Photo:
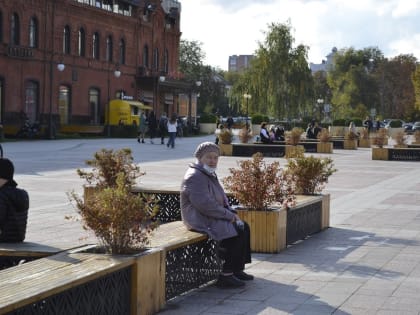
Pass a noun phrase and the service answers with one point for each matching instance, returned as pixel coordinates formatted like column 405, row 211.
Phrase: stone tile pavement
column 367, row 262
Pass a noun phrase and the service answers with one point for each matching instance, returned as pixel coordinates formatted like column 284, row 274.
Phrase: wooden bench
column 12, row 254
column 178, row 261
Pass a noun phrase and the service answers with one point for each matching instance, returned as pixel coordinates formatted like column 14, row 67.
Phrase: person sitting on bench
column 264, row 135
column 14, row 205
column 205, row 209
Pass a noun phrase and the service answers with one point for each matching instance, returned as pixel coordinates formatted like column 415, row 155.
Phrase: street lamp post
column 320, row 101
column 117, row 74
column 247, row 97
column 60, row 67
column 197, row 84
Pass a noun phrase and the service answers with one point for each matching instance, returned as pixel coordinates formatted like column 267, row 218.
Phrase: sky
column 235, row 27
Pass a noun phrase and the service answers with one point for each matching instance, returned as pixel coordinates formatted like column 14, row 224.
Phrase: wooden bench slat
column 174, row 235
column 52, row 275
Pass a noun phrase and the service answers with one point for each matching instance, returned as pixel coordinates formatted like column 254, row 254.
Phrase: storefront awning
column 140, row 105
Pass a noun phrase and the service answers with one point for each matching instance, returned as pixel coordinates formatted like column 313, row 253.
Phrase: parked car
column 415, row 127
column 395, row 123
column 408, row 127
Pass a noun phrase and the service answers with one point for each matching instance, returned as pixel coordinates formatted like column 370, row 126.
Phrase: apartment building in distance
column 326, row 64
column 238, row 63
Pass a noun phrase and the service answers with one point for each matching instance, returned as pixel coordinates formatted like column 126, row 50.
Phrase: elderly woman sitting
column 205, row 209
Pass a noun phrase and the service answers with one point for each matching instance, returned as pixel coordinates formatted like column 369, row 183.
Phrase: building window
column 66, row 40
column 1, row 26
column 31, row 100
column 33, row 32
column 122, row 52
column 14, row 30
column 64, row 104
column 82, row 43
column 146, row 56
column 95, row 46
column 156, row 59
column 166, row 61
column 94, row 105
column 109, row 48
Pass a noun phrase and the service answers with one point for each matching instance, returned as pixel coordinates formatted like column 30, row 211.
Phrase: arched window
column 156, row 59
column 95, row 46
column 122, row 52
column 82, row 43
column 109, row 48
column 33, row 32
column 1, row 26
column 166, row 61
column 146, row 56
column 64, row 104
column 94, row 105
column 15, row 30
column 31, row 100
column 66, row 40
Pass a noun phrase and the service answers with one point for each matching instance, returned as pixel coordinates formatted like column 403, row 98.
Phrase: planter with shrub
column 350, row 141
column 225, row 141
column 364, row 141
column 263, row 193
column 400, row 139
column 293, row 138
column 122, row 221
column 324, row 145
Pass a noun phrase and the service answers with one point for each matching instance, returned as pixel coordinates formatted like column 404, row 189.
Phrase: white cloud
column 234, row 27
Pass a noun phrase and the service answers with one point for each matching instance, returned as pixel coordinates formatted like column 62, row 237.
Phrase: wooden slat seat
column 174, row 235
column 34, row 281
column 38, row 280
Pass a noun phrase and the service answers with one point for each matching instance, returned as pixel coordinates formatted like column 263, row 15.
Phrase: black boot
column 228, row 282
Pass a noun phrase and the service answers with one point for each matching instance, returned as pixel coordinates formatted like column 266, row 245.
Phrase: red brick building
column 61, row 61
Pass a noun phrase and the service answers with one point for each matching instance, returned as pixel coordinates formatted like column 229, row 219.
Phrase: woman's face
column 210, row 159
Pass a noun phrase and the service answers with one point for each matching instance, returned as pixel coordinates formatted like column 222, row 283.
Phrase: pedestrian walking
column 142, row 127
column 172, row 128
column 152, row 125
column 163, row 120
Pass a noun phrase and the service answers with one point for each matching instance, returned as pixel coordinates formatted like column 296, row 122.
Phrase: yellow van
column 125, row 112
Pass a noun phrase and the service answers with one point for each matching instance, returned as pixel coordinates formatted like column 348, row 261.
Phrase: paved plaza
column 367, row 262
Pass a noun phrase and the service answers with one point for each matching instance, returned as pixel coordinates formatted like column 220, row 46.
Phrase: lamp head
column 61, row 67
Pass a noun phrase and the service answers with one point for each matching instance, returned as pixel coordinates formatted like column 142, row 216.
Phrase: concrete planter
column 392, row 132
column 337, row 130
column 208, row 128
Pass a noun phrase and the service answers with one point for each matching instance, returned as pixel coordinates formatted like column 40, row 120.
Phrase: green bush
column 258, row 119
column 207, row 118
column 340, row 122
column 395, row 124
column 358, row 122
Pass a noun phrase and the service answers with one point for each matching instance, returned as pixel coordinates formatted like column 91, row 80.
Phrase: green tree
column 352, row 81
column 279, row 79
column 212, row 88
column 191, row 57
